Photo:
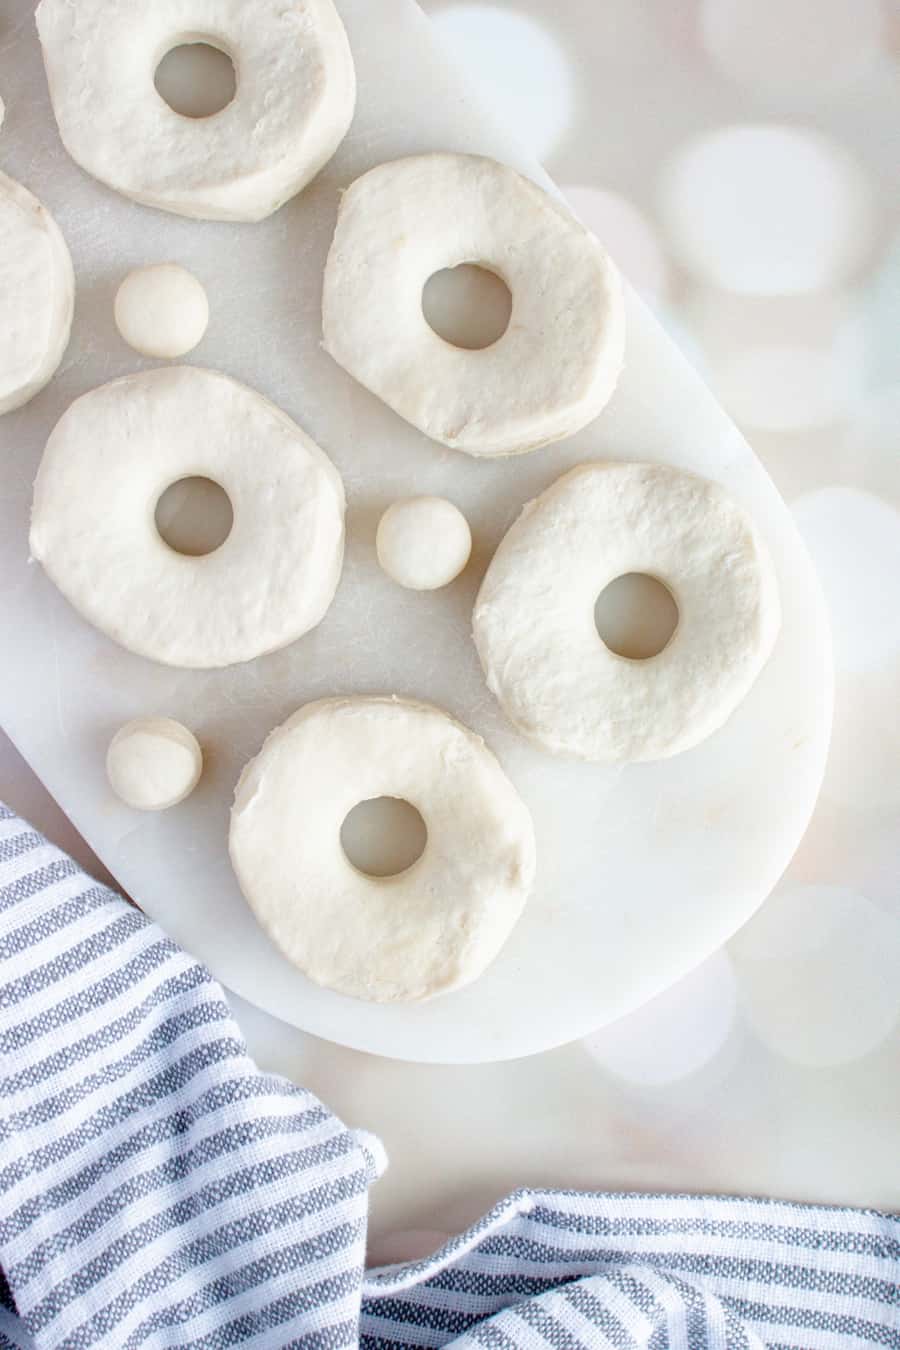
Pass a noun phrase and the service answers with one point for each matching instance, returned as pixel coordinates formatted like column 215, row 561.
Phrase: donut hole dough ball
column 534, row 619
column 110, row 460
column 433, row 927
column 37, row 295
column 293, row 103
column 556, row 365
column 153, row 763
column 162, row 310
column 423, row 543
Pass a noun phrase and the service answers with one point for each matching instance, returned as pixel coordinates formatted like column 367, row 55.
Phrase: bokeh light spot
column 767, row 210
column 863, row 769
column 782, row 388
column 854, row 540
column 817, row 971
column 626, row 234
column 793, row 47
column 786, row 363
column 676, row 1033
column 517, row 62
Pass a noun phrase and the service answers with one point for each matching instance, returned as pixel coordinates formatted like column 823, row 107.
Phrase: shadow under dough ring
column 423, row 932
column 534, row 625
column 558, row 362
column 294, row 99
column 107, row 463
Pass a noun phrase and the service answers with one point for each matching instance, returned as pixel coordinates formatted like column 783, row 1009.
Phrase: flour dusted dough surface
column 37, row 295
column 426, row 931
column 107, row 463
column 534, row 615
column 558, row 362
column 153, row 763
column 294, row 102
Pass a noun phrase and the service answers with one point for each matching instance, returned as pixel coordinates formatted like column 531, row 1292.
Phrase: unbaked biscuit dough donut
column 558, row 362
column 153, row 763
column 294, row 99
column 534, row 616
column 429, row 929
column 107, row 463
column 37, row 295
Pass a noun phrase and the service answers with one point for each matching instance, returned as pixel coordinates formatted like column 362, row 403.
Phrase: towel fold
column 158, row 1190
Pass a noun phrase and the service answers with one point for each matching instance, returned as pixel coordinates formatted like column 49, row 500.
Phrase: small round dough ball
column 153, row 763
column 423, row 542
column 162, row 310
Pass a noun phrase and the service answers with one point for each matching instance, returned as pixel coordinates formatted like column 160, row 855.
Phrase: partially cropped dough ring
column 108, row 461
column 37, row 295
column 294, row 101
column 534, row 616
column 429, row 929
column 556, row 365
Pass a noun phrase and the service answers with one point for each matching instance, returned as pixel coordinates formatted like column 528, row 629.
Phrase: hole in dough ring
column 430, row 929
column 557, row 364
column 534, row 616
column 38, row 288
column 107, row 463
column 294, row 102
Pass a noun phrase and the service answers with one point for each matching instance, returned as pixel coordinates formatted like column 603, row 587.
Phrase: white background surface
column 774, row 1069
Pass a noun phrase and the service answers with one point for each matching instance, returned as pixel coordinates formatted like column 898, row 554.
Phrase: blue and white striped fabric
column 157, row 1190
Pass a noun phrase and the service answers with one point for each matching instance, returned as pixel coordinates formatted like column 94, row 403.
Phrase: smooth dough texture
column 294, row 102
column 423, row 543
column 557, row 364
column 107, row 463
column 162, row 310
column 153, row 763
column 37, row 295
column 534, row 617
column 428, row 930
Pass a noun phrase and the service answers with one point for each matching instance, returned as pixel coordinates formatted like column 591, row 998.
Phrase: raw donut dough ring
column 534, row 616
column 557, row 364
column 429, row 929
column 108, row 461
column 294, row 101
column 153, row 763
column 37, row 295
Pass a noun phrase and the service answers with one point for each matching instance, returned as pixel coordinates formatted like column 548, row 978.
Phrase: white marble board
column 642, row 871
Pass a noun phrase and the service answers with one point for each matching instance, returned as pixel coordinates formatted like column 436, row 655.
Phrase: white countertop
column 775, row 1069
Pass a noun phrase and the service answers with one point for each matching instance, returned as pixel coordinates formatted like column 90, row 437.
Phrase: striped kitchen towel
column 157, row 1190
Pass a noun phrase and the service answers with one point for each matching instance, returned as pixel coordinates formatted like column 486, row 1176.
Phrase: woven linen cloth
column 157, row 1189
